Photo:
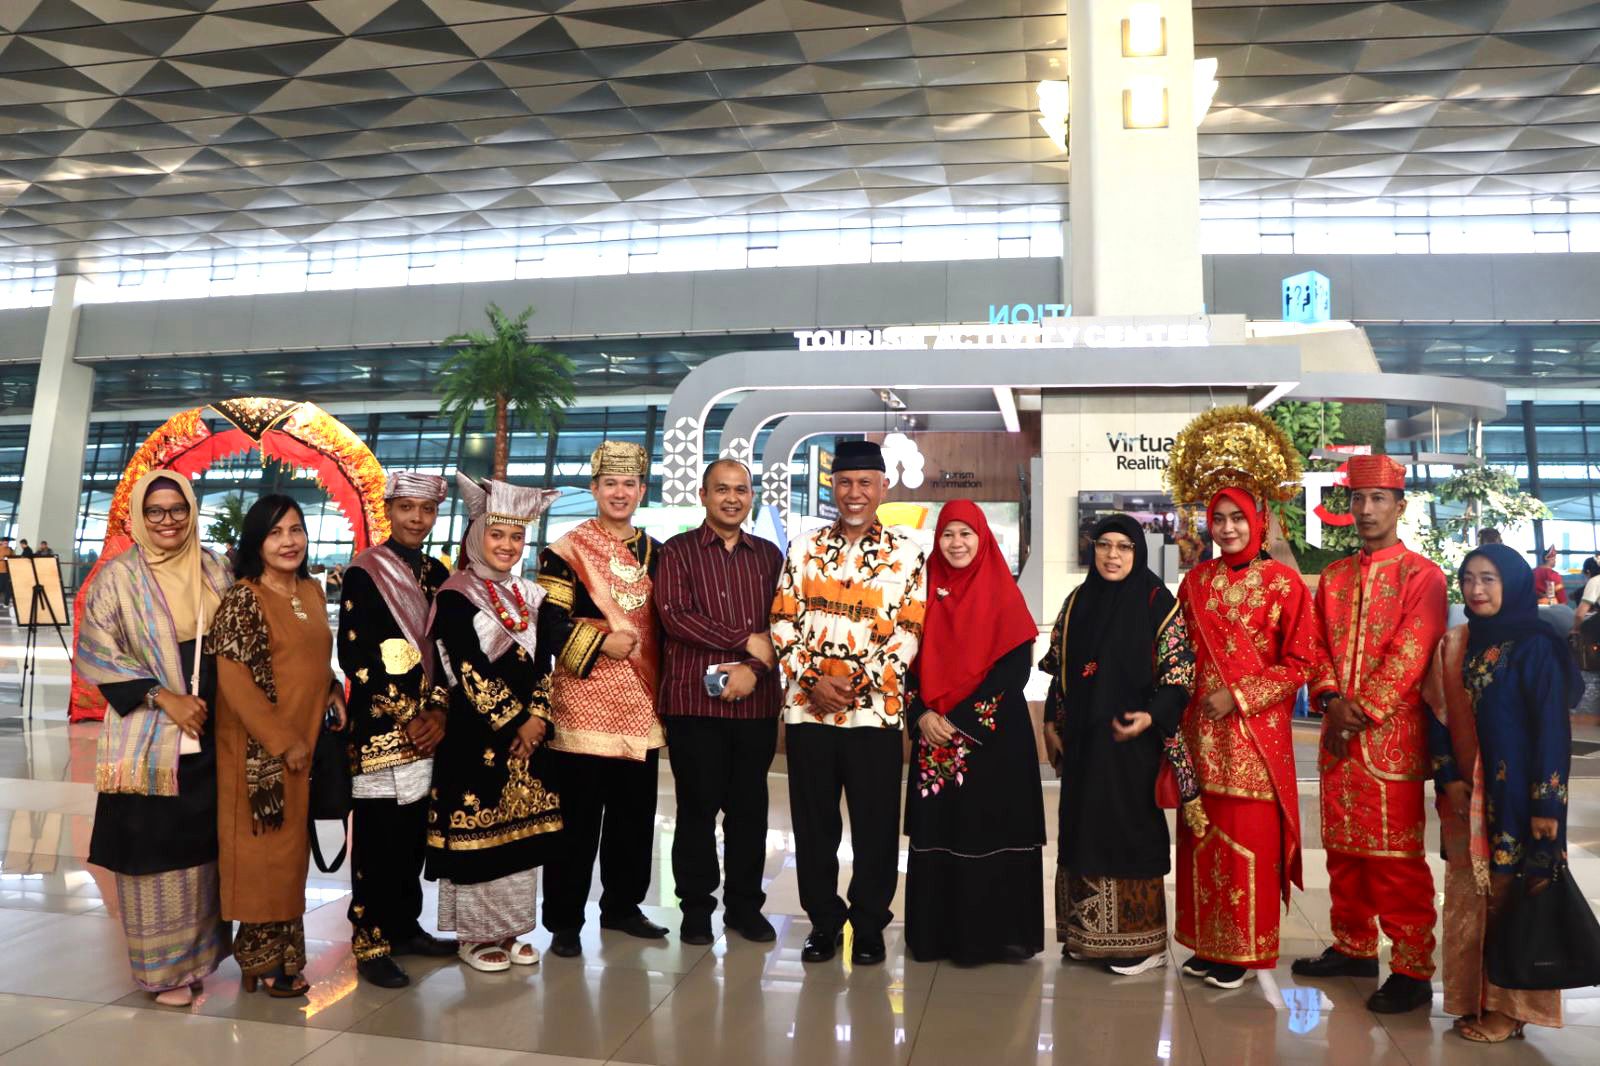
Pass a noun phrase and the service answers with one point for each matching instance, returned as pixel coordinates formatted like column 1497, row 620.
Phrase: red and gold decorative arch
column 299, row 434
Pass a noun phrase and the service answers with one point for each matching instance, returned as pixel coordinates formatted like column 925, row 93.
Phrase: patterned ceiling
column 171, row 129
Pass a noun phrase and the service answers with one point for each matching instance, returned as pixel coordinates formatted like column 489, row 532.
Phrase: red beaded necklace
column 524, row 617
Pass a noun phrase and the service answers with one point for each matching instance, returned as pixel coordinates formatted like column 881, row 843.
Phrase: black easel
column 40, row 607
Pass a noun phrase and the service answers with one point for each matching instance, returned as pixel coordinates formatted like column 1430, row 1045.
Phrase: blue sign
column 1307, row 298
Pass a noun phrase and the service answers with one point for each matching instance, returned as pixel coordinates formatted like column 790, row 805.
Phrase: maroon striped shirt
column 710, row 600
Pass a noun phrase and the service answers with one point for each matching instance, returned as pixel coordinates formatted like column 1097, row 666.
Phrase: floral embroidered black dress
column 975, row 818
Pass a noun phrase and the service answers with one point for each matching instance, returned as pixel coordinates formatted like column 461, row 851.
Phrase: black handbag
column 1545, row 942
column 330, row 791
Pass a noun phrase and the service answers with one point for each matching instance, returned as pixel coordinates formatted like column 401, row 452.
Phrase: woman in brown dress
column 274, row 684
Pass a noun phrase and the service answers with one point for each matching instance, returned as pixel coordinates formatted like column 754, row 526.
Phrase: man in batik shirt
column 598, row 618
column 397, row 719
column 846, row 624
column 1383, row 611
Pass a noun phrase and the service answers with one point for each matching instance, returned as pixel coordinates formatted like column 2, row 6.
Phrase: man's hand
column 425, row 731
column 1130, row 724
column 741, row 682
column 298, row 758
column 760, row 647
column 188, row 713
column 1544, row 828
column 831, row 694
column 530, row 735
column 1053, row 748
column 936, row 729
column 619, row 645
column 1220, row 704
column 1459, row 795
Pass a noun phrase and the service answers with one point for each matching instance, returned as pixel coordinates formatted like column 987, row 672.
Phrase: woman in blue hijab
column 1501, row 741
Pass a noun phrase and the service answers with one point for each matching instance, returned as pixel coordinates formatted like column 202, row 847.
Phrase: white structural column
column 1135, row 159
column 52, row 477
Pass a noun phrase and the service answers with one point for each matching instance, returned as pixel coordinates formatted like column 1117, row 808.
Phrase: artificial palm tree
column 504, row 370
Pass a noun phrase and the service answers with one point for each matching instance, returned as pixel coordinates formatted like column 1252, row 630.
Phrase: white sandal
column 473, row 956
column 522, row 954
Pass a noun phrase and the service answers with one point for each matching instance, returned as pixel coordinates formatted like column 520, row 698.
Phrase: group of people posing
column 500, row 724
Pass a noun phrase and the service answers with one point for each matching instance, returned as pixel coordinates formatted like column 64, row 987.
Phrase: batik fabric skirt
column 173, row 924
column 492, row 911
column 268, row 948
column 1111, row 917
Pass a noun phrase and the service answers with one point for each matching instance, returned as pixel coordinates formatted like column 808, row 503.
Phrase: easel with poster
column 38, row 601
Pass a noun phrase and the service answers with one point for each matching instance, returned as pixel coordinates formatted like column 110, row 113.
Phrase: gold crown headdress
column 1236, row 446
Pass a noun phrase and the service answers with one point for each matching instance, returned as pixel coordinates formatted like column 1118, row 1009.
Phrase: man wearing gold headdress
column 599, row 618
column 1253, row 625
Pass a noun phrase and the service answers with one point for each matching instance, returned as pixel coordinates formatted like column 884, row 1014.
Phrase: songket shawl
column 239, row 632
column 127, row 634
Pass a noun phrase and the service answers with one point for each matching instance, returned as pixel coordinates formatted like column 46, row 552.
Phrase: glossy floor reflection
column 65, row 997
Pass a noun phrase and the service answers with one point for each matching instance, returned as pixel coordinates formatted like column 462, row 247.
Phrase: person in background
column 1488, row 535
column 45, row 551
column 6, row 552
column 598, row 619
column 494, row 819
column 155, row 820
column 1548, row 582
column 24, row 550
column 275, row 683
column 974, row 802
column 1382, row 613
column 1589, row 599
column 714, row 588
column 397, row 708
column 1501, row 741
column 1122, row 671
column 846, row 624
column 1254, row 631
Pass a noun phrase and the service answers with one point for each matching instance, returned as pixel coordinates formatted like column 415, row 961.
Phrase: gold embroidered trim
column 560, row 593
column 489, row 696
column 582, row 648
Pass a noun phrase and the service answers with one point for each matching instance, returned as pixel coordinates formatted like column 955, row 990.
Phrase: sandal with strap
column 522, row 954
column 476, row 956
column 278, row 985
column 1472, row 1032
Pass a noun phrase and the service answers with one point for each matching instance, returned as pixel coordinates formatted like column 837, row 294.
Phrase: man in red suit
column 1383, row 611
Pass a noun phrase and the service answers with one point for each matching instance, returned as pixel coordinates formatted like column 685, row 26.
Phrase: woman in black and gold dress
column 491, row 818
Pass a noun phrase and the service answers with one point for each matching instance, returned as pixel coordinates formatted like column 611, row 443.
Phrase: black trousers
column 864, row 765
column 719, row 765
column 387, row 844
column 608, row 807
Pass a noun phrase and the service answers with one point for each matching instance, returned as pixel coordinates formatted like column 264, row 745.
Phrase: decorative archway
column 299, row 434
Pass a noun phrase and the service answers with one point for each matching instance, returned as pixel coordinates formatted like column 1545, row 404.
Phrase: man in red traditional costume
column 1383, row 612
column 1253, row 627
column 598, row 617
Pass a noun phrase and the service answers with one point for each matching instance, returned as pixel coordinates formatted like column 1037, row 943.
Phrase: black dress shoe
column 696, row 929
column 821, row 945
column 753, row 927
column 382, row 971
column 566, row 944
column 426, row 945
column 868, row 949
column 635, row 924
column 1400, row 994
column 1335, row 963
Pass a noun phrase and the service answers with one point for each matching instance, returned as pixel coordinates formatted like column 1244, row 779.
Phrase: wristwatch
column 151, row 697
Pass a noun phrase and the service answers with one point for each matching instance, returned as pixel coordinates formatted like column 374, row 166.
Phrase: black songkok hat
column 858, row 455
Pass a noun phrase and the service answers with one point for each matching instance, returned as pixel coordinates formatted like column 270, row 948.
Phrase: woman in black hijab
column 1122, row 671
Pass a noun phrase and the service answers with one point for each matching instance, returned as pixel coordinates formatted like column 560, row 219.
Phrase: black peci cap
column 858, row 455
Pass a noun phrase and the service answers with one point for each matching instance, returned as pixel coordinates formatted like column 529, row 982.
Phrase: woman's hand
column 619, row 645
column 1220, row 704
column 341, row 716
column 1459, row 795
column 1544, row 828
column 530, row 735
column 1053, row 748
column 936, row 729
column 188, row 713
column 1130, row 724
column 298, row 758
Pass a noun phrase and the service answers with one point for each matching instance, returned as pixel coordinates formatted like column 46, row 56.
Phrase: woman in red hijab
column 1253, row 626
column 974, row 804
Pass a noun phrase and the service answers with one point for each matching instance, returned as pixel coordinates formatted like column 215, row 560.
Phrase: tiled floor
column 65, row 996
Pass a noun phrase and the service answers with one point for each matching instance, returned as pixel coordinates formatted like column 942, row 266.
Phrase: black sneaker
column 1224, row 976
column 1400, row 994
column 1334, row 963
column 1195, row 966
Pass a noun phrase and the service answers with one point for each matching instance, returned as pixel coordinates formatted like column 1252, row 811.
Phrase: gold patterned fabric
column 262, row 948
column 1110, row 917
column 239, row 633
column 621, row 458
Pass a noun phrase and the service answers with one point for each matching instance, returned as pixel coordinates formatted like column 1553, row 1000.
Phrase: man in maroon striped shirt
column 714, row 587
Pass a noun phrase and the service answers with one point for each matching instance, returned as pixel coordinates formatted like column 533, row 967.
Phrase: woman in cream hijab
column 155, row 823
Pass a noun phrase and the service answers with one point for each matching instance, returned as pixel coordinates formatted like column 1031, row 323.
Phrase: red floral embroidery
column 1090, row 667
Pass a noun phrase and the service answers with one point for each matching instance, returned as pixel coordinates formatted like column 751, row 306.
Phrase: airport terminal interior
column 1017, row 244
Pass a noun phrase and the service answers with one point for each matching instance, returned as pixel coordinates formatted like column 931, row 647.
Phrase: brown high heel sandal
column 275, row 990
column 1472, row 1033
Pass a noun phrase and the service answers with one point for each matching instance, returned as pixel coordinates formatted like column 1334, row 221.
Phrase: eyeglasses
column 1116, row 547
column 159, row 515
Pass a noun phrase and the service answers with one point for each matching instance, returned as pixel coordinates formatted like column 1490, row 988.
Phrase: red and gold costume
column 1383, row 613
column 1254, row 630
